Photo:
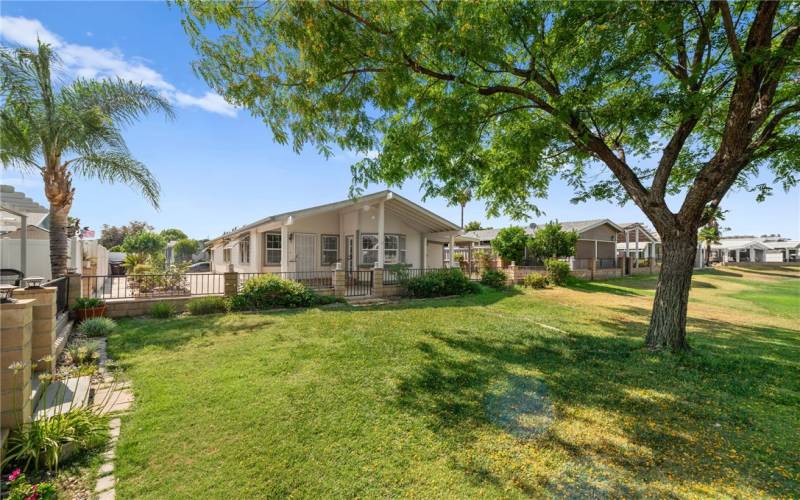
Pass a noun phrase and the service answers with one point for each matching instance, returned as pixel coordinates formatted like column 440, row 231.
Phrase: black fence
column 317, row 280
column 358, row 283
column 393, row 277
column 109, row 287
column 62, row 294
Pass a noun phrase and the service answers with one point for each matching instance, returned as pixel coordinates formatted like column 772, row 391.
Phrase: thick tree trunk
column 668, row 322
column 59, row 252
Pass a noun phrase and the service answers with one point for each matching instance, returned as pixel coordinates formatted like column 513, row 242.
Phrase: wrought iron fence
column 393, row 277
column 62, row 294
column 358, row 283
column 606, row 264
column 317, row 280
column 150, row 285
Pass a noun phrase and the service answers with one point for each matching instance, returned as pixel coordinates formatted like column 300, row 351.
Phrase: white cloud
column 91, row 62
column 210, row 102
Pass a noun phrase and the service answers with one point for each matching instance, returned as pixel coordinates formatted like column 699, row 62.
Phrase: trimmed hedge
column 269, row 292
column 439, row 283
column 535, row 280
column 557, row 271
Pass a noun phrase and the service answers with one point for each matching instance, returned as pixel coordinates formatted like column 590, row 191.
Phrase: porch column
column 752, row 254
column 284, row 248
column 452, row 250
column 627, row 245
column 424, row 252
column 381, row 240
column 23, row 247
column 637, row 247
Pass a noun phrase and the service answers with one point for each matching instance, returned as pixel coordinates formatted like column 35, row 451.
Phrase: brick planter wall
column 16, row 325
column 43, row 335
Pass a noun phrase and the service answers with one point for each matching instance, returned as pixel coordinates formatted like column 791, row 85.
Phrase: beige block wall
column 16, row 325
column 43, row 332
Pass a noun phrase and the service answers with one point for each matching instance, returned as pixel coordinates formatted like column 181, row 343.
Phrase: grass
column 399, row 400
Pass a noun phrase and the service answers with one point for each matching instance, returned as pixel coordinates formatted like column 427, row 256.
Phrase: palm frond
column 120, row 100
column 118, row 166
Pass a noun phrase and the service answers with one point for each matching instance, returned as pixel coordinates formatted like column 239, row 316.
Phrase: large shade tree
column 624, row 100
column 60, row 130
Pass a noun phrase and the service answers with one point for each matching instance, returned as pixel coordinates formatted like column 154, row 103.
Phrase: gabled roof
column 778, row 245
column 579, row 226
column 399, row 205
column 734, row 244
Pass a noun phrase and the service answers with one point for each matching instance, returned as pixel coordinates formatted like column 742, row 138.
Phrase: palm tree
column 711, row 233
column 462, row 198
column 70, row 129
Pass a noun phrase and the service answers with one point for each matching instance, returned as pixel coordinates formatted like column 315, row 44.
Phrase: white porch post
column 23, row 247
column 627, row 245
column 595, row 250
column 424, row 252
column 381, row 238
column 752, row 254
column 284, row 248
column 637, row 247
column 451, row 248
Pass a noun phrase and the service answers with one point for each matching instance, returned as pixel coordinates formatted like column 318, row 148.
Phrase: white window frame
column 394, row 248
column 272, row 250
column 331, row 260
column 244, row 250
column 226, row 255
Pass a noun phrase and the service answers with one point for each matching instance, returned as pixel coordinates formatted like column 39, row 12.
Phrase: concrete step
column 62, row 396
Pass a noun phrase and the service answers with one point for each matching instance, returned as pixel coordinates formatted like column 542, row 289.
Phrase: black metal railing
column 358, row 283
column 606, row 264
column 394, row 277
column 109, row 287
column 317, row 280
column 62, row 294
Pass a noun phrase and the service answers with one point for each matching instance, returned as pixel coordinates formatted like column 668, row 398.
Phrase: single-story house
column 597, row 239
column 782, row 250
column 739, row 250
column 374, row 230
column 636, row 240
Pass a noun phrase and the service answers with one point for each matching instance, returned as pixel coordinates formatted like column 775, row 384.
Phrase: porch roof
column 409, row 211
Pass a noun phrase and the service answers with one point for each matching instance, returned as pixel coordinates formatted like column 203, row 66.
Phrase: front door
column 305, row 252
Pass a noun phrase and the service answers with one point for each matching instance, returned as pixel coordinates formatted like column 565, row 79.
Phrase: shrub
column 40, row 443
column 438, row 283
column 510, row 243
column 268, row 291
column 97, row 327
column 494, row 279
column 162, row 310
column 87, row 303
column 83, row 353
column 207, row 305
column 557, row 271
column 535, row 280
column 20, row 489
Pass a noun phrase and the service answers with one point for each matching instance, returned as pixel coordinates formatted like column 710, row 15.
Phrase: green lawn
column 525, row 393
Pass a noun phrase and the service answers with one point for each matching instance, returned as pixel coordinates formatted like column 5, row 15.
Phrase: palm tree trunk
column 59, row 251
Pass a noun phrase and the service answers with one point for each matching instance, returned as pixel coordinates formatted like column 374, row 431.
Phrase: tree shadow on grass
column 667, row 406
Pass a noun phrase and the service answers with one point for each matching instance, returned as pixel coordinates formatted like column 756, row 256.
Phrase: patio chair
column 11, row 277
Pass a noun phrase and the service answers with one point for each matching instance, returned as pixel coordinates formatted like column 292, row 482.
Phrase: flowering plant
column 20, row 489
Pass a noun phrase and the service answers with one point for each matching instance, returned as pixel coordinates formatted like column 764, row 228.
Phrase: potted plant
column 89, row 307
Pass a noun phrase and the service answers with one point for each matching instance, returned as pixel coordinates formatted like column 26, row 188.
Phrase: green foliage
column 97, row 327
column 207, row 305
column 535, row 280
column 20, row 489
column 40, row 443
column 510, row 243
column 162, row 310
column 116, row 248
column 438, row 283
column 269, row 291
column 494, row 278
column 557, row 271
column 484, row 259
column 172, row 234
column 552, row 241
column 144, row 243
column 472, row 226
column 185, row 248
column 113, row 236
column 87, row 303
column 82, row 353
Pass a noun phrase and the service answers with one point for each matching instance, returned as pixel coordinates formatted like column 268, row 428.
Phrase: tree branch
column 730, row 32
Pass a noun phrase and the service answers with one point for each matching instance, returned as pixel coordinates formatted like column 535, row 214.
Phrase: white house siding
column 435, row 255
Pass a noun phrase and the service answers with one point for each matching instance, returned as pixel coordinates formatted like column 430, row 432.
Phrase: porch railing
column 358, row 283
column 317, row 280
column 62, row 294
column 393, row 277
column 109, row 287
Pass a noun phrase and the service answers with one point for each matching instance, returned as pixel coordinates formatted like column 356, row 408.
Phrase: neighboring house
column 24, row 237
column 375, row 230
column 782, row 250
column 739, row 250
column 636, row 240
column 597, row 239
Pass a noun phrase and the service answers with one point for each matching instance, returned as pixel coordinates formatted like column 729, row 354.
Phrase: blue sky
column 219, row 167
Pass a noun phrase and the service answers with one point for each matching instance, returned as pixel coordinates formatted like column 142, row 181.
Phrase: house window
column 330, row 249
column 272, row 248
column 244, row 250
column 394, row 248
column 226, row 254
